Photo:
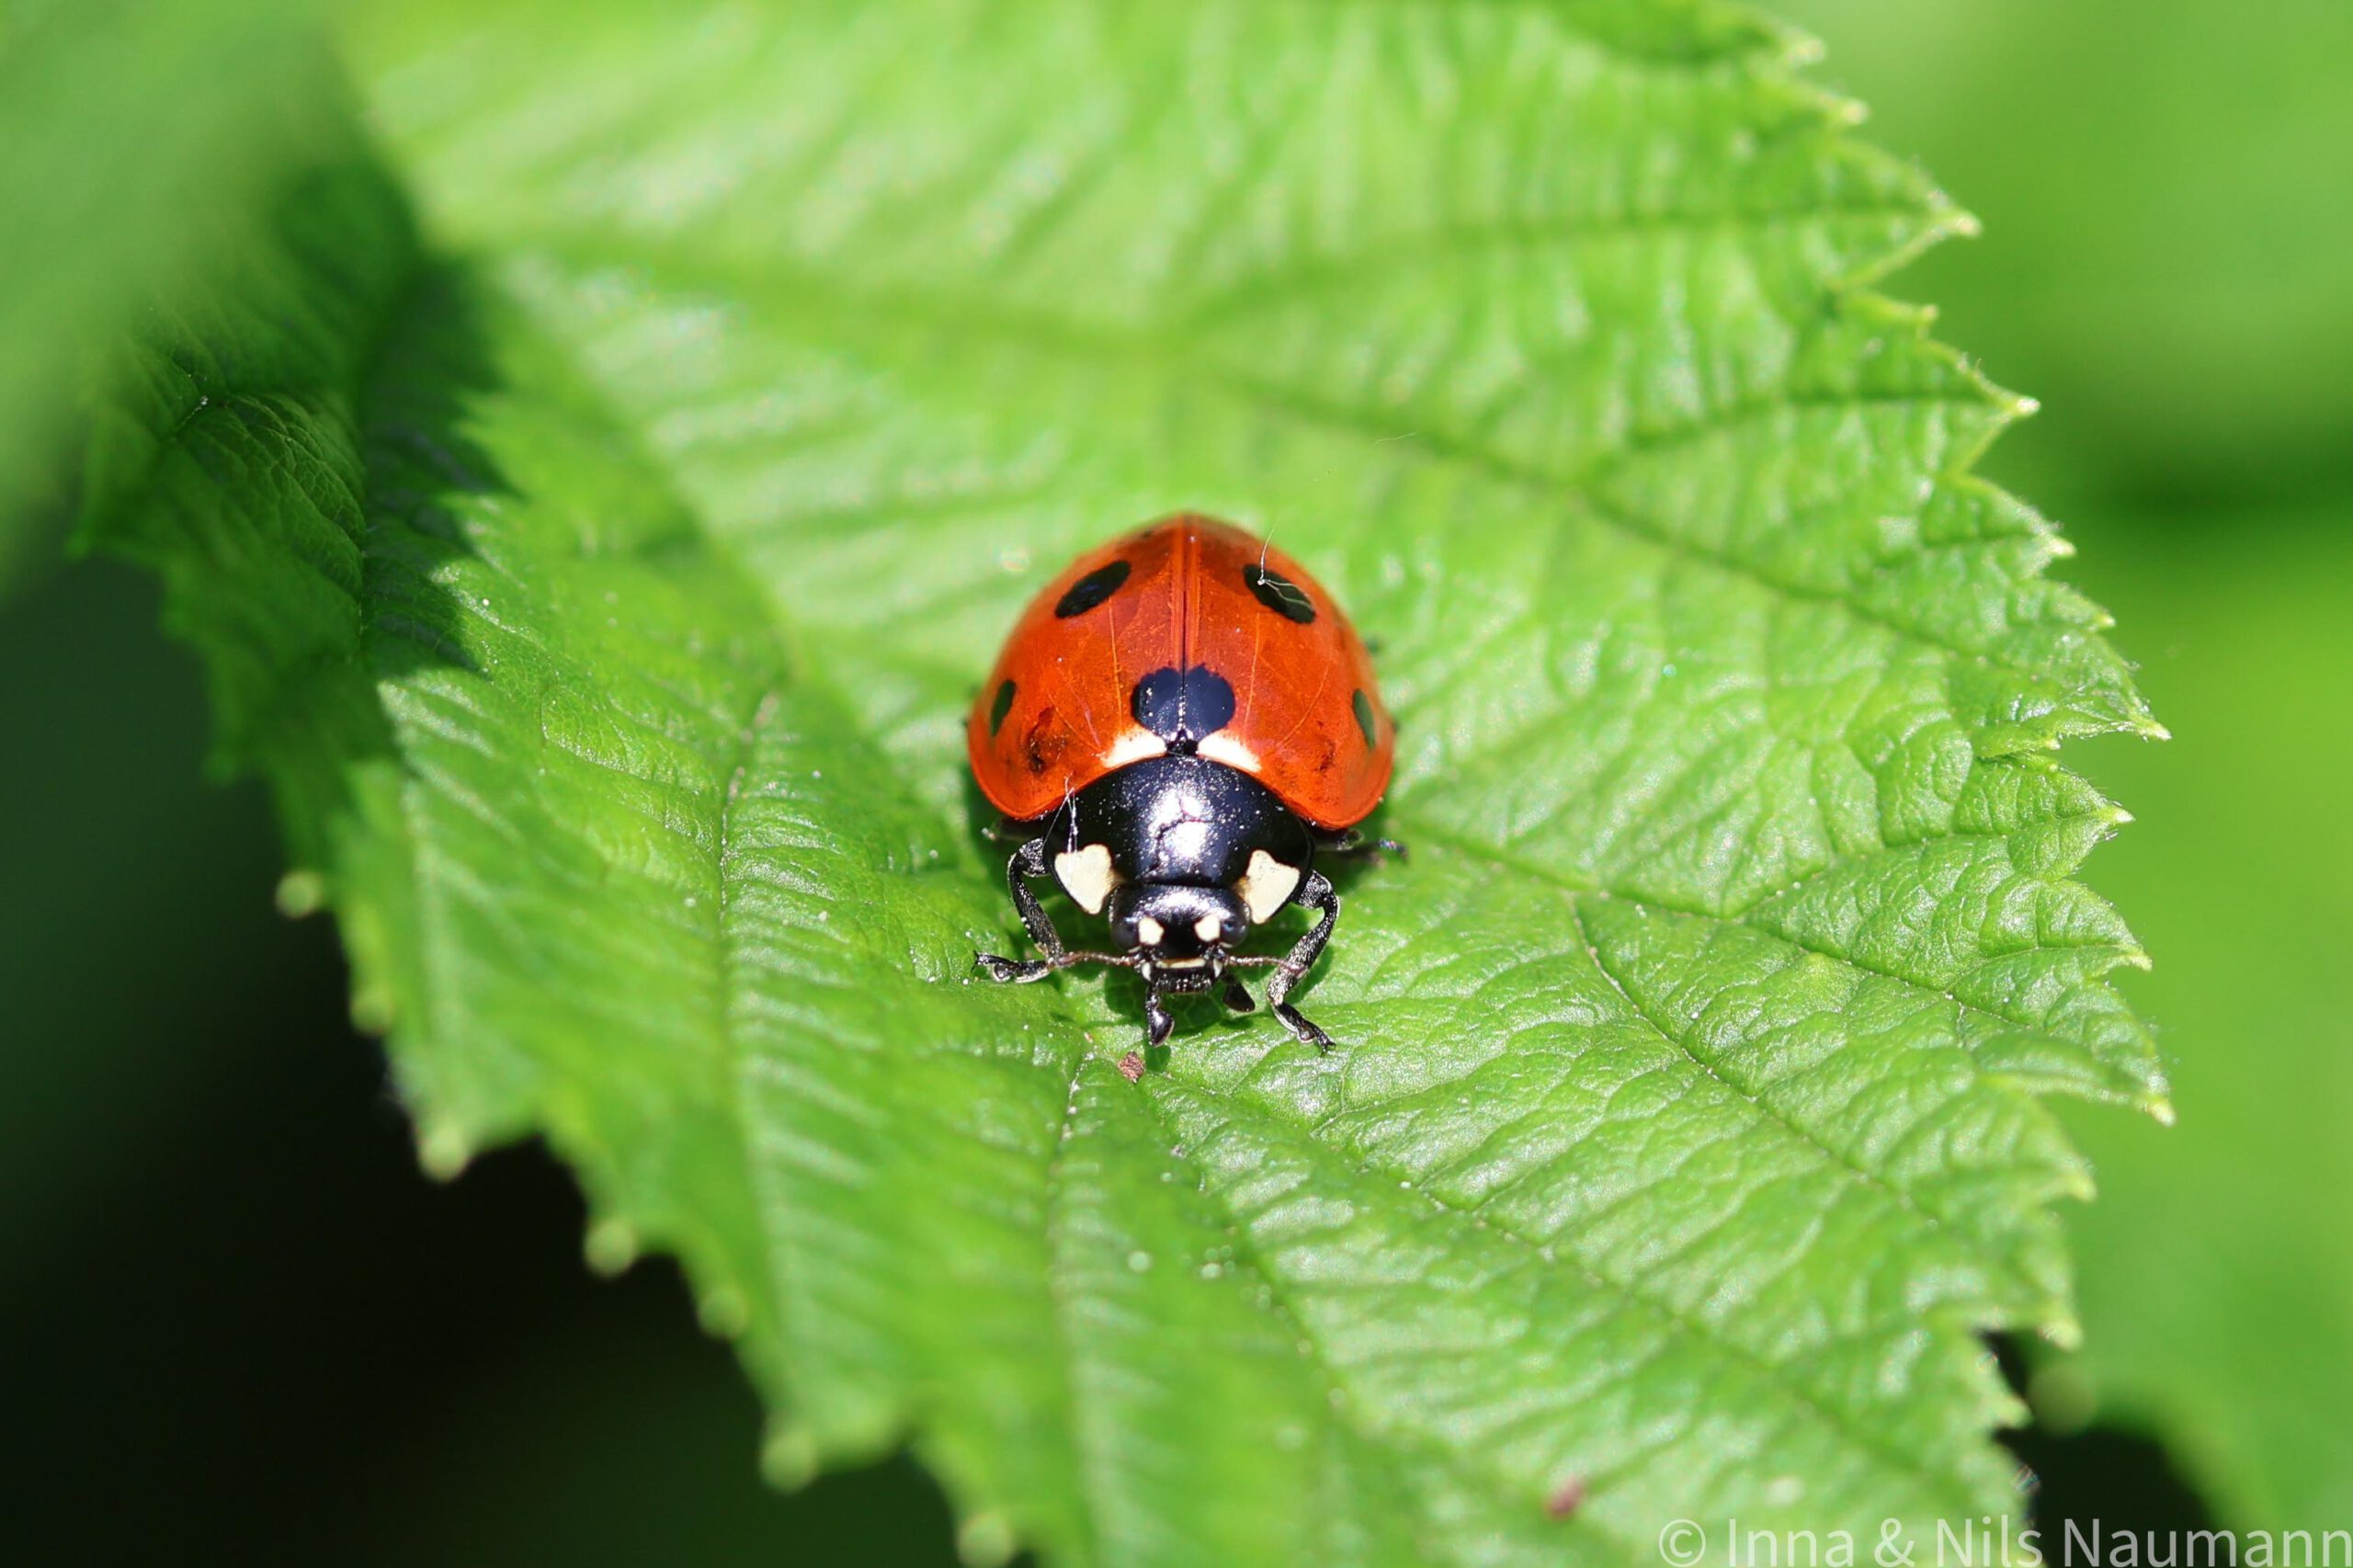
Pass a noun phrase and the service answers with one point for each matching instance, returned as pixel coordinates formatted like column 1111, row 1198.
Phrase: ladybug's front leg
column 1028, row 864
column 1157, row 1019
column 1315, row 893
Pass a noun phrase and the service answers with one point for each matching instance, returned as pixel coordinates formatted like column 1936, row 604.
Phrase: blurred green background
column 240, row 1326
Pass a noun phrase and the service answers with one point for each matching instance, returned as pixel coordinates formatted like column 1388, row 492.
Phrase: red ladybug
column 1178, row 724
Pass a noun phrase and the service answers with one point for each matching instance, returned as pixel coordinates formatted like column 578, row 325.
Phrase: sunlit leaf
column 602, row 583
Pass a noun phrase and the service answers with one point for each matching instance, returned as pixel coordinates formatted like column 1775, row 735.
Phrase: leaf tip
column 723, row 1312
column 2160, row 1110
column 1798, row 49
column 2064, row 1332
column 2004, row 1409
column 372, row 1009
column 985, row 1538
column 788, row 1459
column 442, row 1147
column 300, row 893
column 611, row 1245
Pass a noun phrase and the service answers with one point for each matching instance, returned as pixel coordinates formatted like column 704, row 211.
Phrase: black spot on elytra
column 1279, row 593
column 1000, row 708
column 1366, row 717
column 1091, row 590
column 1184, row 706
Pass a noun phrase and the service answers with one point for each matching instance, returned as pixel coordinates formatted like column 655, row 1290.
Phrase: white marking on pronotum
column 1265, row 886
column 1223, row 747
column 1149, row 931
column 1133, row 746
column 1086, row 875
column 1209, row 927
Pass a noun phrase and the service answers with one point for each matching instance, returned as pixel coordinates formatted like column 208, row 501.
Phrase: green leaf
column 132, row 151
column 602, row 585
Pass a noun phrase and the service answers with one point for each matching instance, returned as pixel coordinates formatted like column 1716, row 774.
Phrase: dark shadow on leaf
column 288, row 456
column 424, row 470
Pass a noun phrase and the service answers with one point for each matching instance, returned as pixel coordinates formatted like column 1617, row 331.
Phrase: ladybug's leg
column 1028, row 865
column 1157, row 1019
column 1315, row 893
column 1028, row 862
column 1237, row 996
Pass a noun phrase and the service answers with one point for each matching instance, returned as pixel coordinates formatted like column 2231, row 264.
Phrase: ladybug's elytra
column 1179, row 723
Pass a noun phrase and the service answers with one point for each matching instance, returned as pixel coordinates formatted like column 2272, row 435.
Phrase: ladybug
column 1179, row 723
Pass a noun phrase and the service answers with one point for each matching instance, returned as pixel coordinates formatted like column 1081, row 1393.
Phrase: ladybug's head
column 1179, row 932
